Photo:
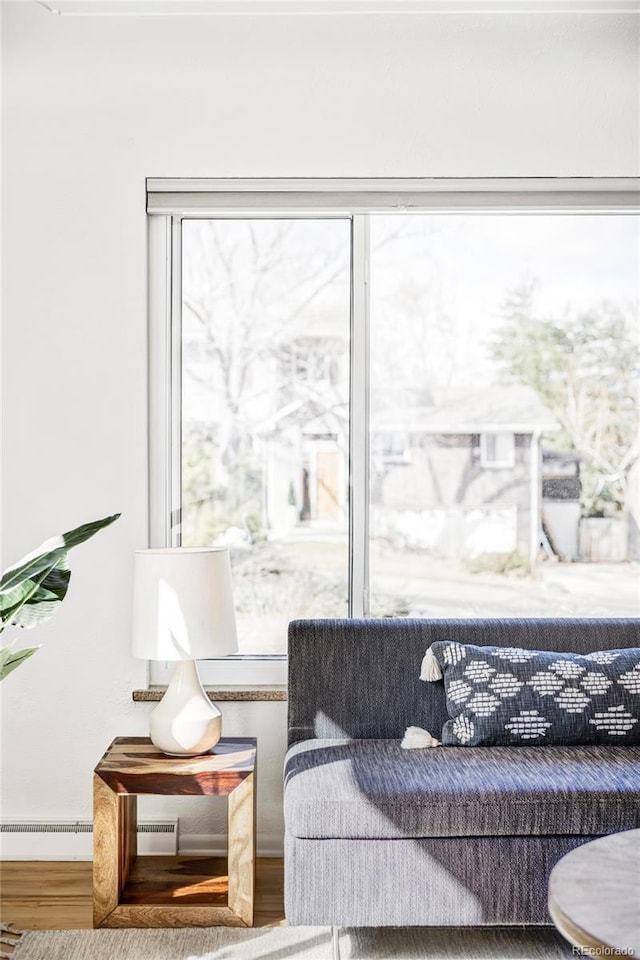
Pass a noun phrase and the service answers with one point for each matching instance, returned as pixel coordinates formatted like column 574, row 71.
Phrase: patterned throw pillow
column 512, row 696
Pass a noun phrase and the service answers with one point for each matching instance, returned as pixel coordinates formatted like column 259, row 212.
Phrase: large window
column 409, row 402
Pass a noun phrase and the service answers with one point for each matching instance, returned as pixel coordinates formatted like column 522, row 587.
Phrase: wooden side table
column 132, row 891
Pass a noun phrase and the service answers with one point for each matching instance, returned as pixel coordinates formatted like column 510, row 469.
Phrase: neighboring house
column 293, row 418
column 458, row 477
column 462, row 476
column 307, row 456
column 308, row 445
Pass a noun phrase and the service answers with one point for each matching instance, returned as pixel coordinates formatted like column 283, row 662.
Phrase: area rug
column 295, row 943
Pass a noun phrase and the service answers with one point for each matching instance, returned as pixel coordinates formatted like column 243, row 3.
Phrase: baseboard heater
column 73, row 840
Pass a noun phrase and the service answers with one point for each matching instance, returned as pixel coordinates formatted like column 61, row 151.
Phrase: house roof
column 512, row 409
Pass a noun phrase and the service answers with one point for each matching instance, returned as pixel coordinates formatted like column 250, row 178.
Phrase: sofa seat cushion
column 374, row 789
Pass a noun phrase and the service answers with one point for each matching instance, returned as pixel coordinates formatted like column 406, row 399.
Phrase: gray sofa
column 378, row 836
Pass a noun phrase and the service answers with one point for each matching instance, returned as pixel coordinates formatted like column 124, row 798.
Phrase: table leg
column 114, row 847
column 242, row 846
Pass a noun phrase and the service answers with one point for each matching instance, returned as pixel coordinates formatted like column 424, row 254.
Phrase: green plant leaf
column 50, row 554
column 50, row 588
column 32, row 588
column 10, row 659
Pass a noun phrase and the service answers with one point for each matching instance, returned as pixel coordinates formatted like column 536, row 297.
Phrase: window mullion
column 359, row 427
column 175, row 374
column 159, row 378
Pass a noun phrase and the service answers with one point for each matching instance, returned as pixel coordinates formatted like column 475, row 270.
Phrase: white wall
column 93, row 106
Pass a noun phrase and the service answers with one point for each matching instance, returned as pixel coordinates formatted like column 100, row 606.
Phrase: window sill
column 273, row 693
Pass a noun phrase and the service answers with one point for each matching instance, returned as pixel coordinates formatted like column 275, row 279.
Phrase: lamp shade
column 183, row 604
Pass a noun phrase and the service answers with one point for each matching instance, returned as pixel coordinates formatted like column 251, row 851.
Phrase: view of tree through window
column 265, row 413
column 504, row 439
column 505, row 416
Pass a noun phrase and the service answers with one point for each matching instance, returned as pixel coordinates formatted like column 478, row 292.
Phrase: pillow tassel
column 430, row 669
column 416, row 738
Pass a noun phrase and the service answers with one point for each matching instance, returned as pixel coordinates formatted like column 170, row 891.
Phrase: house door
column 327, row 474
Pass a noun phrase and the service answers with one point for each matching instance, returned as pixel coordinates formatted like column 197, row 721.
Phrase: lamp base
column 185, row 723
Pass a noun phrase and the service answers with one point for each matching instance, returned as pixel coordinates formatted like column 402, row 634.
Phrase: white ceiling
column 106, row 8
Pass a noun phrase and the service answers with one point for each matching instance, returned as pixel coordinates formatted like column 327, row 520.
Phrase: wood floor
column 46, row 895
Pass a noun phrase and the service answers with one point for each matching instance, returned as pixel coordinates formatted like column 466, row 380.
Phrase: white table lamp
column 183, row 611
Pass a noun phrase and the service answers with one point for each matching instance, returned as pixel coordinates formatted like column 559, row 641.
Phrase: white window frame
column 171, row 200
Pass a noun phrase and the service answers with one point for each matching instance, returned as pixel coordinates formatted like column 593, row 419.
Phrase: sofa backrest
column 360, row 678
